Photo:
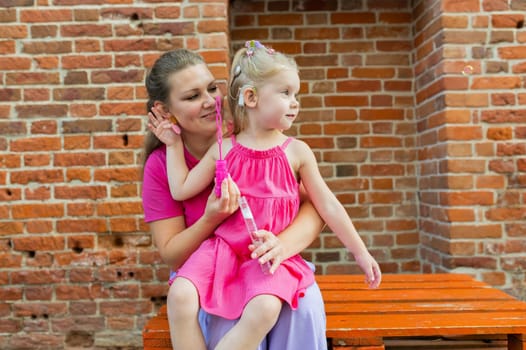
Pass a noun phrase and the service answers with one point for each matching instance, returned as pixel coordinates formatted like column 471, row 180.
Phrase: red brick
column 467, row 198
column 312, row 33
column 511, row 52
column 502, row 166
column 38, row 176
column 38, row 243
column 380, row 142
column 507, row 20
column 491, row 181
column 459, row 133
column 39, row 226
column 496, row 83
column 79, row 159
column 81, row 225
column 44, row 127
column 40, row 193
column 123, row 225
column 506, row 214
column 503, row 99
column 119, row 208
column 476, row 231
column 381, row 114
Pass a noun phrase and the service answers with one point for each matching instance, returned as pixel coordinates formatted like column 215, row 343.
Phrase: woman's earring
column 175, row 127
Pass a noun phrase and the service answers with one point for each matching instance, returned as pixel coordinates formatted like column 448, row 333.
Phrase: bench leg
column 516, row 341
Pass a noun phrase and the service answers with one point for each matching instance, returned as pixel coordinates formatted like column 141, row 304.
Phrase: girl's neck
column 260, row 139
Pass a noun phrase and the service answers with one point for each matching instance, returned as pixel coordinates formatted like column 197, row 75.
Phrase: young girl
column 267, row 167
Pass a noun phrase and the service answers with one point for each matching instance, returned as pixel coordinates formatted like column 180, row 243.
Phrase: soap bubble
column 468, row 70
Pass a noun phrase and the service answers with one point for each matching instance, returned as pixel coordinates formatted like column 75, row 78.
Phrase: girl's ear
column 250, row 96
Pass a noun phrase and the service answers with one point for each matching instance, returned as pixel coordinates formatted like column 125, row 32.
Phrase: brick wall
column 412, row 108
column 357, row 113
column 470, row 110
column 77, row 266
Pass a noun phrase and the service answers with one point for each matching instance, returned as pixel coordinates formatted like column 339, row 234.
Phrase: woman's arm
column 303, row 230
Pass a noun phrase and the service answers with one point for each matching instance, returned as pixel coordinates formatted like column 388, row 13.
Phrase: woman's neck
column 197, row 145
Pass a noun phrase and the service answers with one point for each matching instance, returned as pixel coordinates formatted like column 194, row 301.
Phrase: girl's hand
column 373, row 275
column 270, row 250
column 162, row 127
column 218, row 209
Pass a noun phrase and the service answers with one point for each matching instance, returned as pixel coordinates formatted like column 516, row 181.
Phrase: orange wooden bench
column 406, row 305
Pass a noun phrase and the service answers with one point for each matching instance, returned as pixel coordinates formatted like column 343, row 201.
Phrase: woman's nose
column 209, row 100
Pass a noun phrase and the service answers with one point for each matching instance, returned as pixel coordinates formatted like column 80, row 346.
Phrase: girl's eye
column 192, row 97
column 286, row 92
column 212, row 89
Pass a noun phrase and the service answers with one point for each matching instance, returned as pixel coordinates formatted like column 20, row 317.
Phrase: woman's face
column 192, row 99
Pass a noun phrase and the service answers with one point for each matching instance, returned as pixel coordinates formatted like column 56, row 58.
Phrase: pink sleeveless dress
column 221, row 268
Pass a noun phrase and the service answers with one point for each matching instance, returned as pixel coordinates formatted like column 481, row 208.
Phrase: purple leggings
column 300, row 329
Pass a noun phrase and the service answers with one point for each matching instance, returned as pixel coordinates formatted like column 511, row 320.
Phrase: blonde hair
column 253, row 65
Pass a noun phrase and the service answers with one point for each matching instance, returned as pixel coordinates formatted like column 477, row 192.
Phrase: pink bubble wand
column 221, row 171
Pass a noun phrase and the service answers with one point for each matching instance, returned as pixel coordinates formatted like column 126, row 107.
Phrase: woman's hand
column 162, row 127
column 270, row 250
column 218, row 209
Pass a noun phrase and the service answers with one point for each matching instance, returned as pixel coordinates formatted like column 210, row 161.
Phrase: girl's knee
column 182, row 297
column 265, row 309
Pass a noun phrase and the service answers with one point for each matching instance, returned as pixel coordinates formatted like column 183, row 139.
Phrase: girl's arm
column 176, row 242
column 185, row 184
column 333, row 212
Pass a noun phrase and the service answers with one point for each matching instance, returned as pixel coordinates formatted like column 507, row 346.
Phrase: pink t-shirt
column 157, row 201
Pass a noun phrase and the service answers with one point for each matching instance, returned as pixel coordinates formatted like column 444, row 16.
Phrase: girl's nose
column 295, row 103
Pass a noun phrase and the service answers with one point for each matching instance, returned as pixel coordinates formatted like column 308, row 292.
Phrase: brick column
column 469, row 57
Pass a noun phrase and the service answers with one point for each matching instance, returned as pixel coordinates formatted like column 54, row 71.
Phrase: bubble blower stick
column 221, row 172
column 252, row 228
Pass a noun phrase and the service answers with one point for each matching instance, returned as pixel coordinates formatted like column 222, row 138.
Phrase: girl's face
column 277, row 105
column 192, row 99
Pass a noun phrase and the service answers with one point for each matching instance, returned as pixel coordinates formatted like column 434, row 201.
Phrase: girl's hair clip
column 252, row 45
column 241, row 97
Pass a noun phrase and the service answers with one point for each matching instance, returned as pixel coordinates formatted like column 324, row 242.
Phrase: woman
column 180, row 85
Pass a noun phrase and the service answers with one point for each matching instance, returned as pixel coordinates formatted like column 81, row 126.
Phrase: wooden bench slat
column 422, row 324
column 408, row 307
column 436, row 278
column 402, row 285
column 414, row 295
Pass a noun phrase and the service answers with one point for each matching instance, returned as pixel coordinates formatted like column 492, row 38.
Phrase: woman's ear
column 162, row 108
column 250, row 96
